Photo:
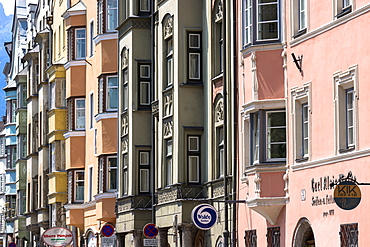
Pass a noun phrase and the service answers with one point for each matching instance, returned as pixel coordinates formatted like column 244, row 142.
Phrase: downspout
column 235, row 135
column 152, row 174
column 225, row 121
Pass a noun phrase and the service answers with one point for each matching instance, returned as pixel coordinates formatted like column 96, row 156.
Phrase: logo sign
column 150, row 230
column 347, row 195
column 150, row 242
column 12, row 244
column 204, row 216
column 107, row 230
column 57, row 236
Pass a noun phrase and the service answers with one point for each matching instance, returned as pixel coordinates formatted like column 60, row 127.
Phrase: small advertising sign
column 347, row 195
column 57, row 236
column 204, row 216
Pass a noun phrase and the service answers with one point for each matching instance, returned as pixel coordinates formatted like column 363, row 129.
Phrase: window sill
column 346, row 150
column 167, row 89
column 192, row 84
column 344, row 12
column 265, row 167
column 303, row 159
column 300, row 32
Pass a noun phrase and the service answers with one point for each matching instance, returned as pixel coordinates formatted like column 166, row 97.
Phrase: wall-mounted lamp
column 49, row 20
column 298, row 61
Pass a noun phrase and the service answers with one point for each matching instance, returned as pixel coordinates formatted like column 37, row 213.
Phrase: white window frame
column 100, row 16
column 108, row 94
column 258, row 22
column 193, row 158
column 75, row 187
column 77, row 50
column 247, row 17
column 91, row 38
column 302, row 14
column 267, row 143
column 194, row 51
column 109, row 170
column 125, row 90
column 169, row 62
column 91, row 115
column 125, row 183
column 111, row 29
column 144, row 171
column 342, row 82
column 169, row 161
column 301, row 97
column 76, row 110
column 90, row 183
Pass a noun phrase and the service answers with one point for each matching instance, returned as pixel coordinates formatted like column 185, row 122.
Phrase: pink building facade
column 304, row 93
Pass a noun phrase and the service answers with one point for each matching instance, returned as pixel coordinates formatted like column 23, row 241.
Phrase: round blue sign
column 150, row 230
column 204, row 216
column 107, row 230
column 12, row 244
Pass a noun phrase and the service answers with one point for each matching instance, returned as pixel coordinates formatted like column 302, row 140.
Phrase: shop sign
column 347, row 195
column 57, row 236
column 150, row 242
column 204, row 216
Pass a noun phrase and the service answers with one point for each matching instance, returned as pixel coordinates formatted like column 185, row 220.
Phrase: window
column 346, row 100
column 11, row 156
column 302, row 24
column 268, row 131
column 193, row 153
column 273, row 237
column 144, row 89
column 144, row 5
column 260, row 21
column 90, row 183
column 22, row 95
column 169, row 173
column 80, row 114
column 305, row 130
column 125, row 174
column 76, row 180
column 22, row 146
column 250, row 238
column 76, row 114
column 107, row 174
column 79, row 185
column 169, row 62
column 80, row 43
column 125, row 90
column 11, row 110
column 91, row 119
column 194, row 56
column 144, row 173
column 343, row 7
column 108, row 93
column 112, row 13
column 91, row 38
column 107, row 15
column 220, row 151
column 349, row 235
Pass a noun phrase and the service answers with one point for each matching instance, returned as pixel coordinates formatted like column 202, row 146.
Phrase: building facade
column 302, row 93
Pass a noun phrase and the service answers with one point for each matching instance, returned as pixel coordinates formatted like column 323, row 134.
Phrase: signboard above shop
column 57, row 236
column 347, row 195
column 204, row 216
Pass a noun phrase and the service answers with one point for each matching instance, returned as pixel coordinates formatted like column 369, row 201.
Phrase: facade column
column 163, row 237
column 188, row 234
column 138, row 238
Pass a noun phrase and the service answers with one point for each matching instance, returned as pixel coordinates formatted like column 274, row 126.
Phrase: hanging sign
column 347, row 195
column 204, row 216
column 57, row 236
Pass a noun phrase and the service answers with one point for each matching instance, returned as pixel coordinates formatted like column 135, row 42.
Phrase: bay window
column 193, row 153
column 76, row 181
column 77, row 43
column 268, row 132
column 76, row 114
column 194, row 56
column 107, row 16
column 261, row 21
column 108, row 93
column 107, row 173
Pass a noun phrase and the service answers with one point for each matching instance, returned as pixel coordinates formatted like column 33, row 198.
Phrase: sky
column 8, row 6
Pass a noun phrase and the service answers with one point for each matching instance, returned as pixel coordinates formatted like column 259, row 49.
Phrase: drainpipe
column 235, row 127
column 152, row 30
column 225, row 96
